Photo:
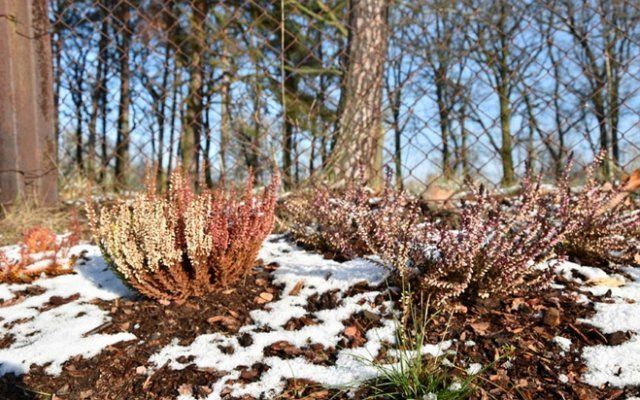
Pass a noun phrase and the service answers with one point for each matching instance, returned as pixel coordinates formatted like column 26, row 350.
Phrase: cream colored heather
column 199, row 242
column 157, row 238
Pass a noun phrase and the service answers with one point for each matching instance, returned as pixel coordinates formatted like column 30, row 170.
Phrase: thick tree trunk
column 27, row 135
column 360, row 134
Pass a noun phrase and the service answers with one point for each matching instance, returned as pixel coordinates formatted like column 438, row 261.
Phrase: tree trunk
column 397, row 136
column 508, row 174
column 225, row 101
column 123, row 138
column 96, row 96
column 192, row 126
column 443, row 117
column 291, row 88
column 173, row 119
column 27, row 134
column 161, row 115
column 360, row 134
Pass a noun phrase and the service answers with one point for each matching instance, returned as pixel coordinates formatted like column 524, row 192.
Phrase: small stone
column 141, row 370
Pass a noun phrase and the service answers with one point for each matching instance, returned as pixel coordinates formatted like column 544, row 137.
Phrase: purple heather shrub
column 355, row 221
column 496, row 248
column 603, row 227
column 326, row 220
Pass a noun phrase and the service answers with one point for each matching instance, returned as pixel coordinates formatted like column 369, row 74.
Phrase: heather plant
column 390, row 225
column 355, row 220
column 327, row 220
column 495, row 248
column 184, row 244
column 602, row 226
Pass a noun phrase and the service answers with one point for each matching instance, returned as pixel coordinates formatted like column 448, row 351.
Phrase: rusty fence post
column 27, row 141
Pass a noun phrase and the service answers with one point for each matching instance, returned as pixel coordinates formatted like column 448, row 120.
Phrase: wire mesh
column 486, row 90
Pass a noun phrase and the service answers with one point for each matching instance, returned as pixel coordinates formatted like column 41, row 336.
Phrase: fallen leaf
column 261, row 282
column 263, row 298
column 609, row 281
column 551, row 317
column 481, row 328
column 297, row 288
column 351, row 331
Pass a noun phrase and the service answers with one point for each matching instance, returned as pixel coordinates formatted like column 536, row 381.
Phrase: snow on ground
column 53, row 336
column 50, row 335
column 319, row 276
column 617, row 365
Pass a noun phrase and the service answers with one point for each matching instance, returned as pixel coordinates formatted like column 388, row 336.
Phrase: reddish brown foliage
column 41, row 252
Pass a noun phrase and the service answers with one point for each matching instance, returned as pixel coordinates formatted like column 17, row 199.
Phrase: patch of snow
column 617, row 365
column 474, row 368
column 55, row 335
column 564, row 343
column 614, row 317
column 563, row 378
column 319, row 276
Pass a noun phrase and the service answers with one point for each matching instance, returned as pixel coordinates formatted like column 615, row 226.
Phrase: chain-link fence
column 438, row 91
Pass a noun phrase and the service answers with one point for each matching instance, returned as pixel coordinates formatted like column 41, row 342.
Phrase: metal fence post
column 27, row 144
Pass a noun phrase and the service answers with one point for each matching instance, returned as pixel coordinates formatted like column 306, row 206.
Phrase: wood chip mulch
column 512, row 338
column 121, row 371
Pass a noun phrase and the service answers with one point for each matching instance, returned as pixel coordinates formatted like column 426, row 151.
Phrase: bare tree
column 443, row 42
column 192, row 126
column 497, row 27
column 603, row 33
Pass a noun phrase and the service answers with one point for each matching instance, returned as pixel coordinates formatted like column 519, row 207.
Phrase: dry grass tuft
column 28, row 212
